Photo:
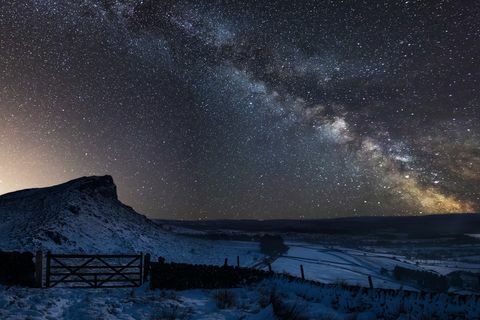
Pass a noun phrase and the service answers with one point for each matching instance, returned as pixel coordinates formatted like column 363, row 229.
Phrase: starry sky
column 246, row 109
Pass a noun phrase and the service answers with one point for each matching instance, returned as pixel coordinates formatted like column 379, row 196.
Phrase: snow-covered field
column 253, row 302
column 336, row 264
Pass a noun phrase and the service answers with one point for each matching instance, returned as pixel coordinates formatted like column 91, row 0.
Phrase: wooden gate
column 94, row 271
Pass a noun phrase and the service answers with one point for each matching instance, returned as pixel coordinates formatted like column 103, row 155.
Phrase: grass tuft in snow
column 283, row 310
column 225, row 299
column 172, row 312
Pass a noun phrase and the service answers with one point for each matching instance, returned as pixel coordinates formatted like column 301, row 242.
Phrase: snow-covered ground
column 252, row 302
column 336, row 264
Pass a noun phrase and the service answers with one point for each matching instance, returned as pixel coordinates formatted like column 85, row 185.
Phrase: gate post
column 146, row 266
column 38, row 268
column 47, row 278
column 370, row 283
column 140, row 270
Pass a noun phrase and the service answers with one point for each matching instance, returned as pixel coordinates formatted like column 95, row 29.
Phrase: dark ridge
column 93, row 185
column 424, row 226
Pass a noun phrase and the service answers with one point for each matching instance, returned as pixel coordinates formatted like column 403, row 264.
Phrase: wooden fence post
column 38, row 269
column 238, row 261
column 302, row 272
column 47, row 278
column 146, row 267
column 141, row 270
column 370, row 282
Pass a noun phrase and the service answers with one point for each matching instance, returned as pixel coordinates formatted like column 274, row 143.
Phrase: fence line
column 121, row 270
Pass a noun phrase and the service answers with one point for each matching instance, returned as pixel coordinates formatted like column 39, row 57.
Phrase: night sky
column 246, row 109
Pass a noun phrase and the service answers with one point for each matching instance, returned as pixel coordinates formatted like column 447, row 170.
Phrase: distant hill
column 419, row 226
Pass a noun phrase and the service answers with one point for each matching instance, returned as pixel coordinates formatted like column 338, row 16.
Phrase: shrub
column 264, row 299
column 172, row 312
column 225, row 299
column 284, row 311
column 384, row 271
column 342, row 283
column 425, row 279
column 272, row 245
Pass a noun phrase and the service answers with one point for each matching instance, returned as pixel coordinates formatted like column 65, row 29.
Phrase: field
column 421, row 267
column 333, row 263
column 343, row 255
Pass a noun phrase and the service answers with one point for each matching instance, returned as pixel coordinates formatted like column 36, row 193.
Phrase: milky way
column 261, row 109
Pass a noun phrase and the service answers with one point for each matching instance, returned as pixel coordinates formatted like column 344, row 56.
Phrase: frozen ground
column 350, row 250
column 336, row 264
column 252, row 302
column 332, row 264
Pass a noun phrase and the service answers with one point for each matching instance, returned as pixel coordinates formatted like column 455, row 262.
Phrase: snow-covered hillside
column 85, row 215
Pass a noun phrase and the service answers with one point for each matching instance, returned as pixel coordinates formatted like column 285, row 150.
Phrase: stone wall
column 17, row 268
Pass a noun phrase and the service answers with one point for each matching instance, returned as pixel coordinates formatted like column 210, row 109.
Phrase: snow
column 85, row 216
column 251, row 302
column 336, row 264
column 477, row 236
